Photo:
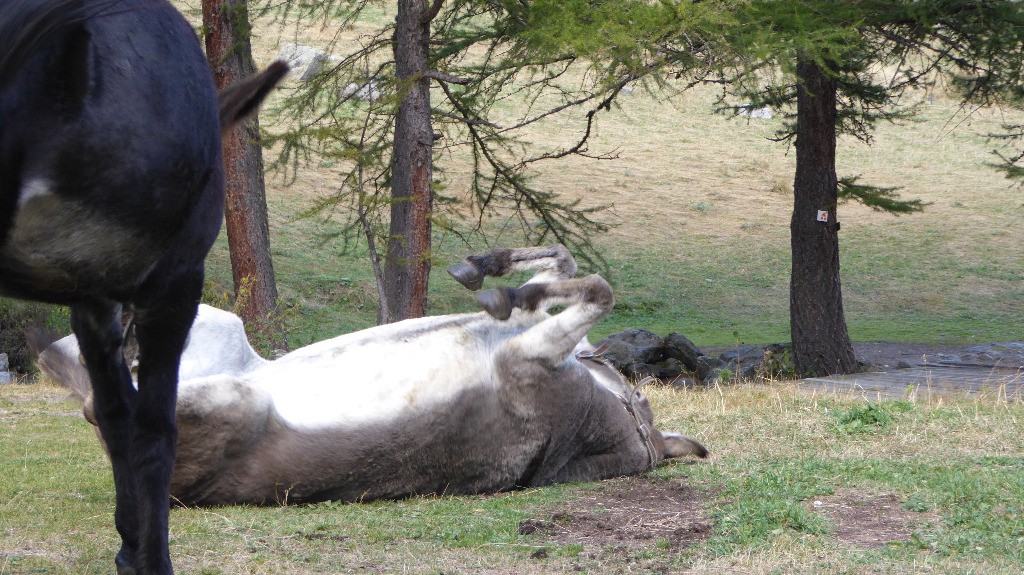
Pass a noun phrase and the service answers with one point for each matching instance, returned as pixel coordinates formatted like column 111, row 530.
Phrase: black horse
column 111, row 192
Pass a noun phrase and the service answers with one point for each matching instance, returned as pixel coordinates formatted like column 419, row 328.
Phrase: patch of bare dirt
column 869, row 520
column 628, row 514
column 632, row 514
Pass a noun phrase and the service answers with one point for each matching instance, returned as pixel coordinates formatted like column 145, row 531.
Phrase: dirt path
column 888, row 356
column 903, row 370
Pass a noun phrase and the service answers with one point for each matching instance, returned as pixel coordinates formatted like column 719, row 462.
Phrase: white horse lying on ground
column 456, row 404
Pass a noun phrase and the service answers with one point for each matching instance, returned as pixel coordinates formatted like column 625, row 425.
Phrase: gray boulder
column 743, row 355
column 633, row 346
column 639, row 353
column 670, row 369
column 677, row 346
column 368, row 92
column 711, row 362
column 5, row 376
column 305, row 62
column 749, row 111
column 638, row 371
column 719, row 376
column 617, row 353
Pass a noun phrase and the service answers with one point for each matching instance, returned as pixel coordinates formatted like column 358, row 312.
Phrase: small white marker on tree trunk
column 822, row 215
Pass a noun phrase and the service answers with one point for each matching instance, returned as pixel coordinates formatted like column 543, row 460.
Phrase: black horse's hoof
column 468, row 275
column 496, row 302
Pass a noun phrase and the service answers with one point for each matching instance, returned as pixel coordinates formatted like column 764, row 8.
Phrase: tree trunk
column 230, row 54
column 821, row 343
column 407, row 263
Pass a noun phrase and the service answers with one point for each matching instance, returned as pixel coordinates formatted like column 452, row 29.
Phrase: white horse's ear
column 677, row 445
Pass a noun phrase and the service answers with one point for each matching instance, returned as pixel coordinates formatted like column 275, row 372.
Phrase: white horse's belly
column 382, row 374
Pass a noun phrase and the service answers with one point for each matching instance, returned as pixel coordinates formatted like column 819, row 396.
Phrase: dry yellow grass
column 779, row 421
column 56, row 498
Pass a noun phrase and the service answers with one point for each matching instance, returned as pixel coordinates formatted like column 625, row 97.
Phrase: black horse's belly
column 57, row 250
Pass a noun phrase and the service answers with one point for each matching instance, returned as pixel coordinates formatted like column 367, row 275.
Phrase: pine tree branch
column 432, row 12
column 445, row 78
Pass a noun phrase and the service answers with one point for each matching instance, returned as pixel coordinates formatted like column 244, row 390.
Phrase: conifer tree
column 226, row 28
column 550, row 57
column 839, row 68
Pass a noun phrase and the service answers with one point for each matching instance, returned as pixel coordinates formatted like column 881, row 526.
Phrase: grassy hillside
column 700, row 242
column 700, row 209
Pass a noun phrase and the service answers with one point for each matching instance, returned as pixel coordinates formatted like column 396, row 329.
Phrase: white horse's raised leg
column 551, row 263
column 587, row 299
column 553, row 338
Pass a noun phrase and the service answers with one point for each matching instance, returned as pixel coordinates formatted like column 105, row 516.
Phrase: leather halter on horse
column 596, row 358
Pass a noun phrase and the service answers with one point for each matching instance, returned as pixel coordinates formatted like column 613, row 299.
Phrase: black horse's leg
column 164, row 312
column 97, row 325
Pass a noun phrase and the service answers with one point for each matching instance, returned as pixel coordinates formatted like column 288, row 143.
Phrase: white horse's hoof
column 496, row 302
column 468, row 275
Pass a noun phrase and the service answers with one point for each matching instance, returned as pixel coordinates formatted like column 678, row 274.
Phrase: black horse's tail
column 26, row 26
column 242, row 98
column 60, row 361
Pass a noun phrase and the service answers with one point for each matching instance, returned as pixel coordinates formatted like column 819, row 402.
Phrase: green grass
column 981, row 515
column 955, row 466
